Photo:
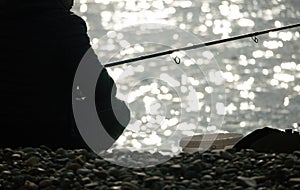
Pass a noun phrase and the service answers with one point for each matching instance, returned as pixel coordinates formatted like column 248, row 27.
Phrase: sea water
column 261, row 81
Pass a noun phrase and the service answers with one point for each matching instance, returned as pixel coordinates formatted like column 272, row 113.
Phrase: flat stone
column 246, row 181
column 207, row 177
column 259, row 178
column 16, row 156
column 6, row 172
column 295, row 180
column 176, row 166
column 91, row 185
column 153, row 178
column 83, row 171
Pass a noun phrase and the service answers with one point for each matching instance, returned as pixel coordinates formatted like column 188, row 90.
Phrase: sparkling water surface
column 261, row 80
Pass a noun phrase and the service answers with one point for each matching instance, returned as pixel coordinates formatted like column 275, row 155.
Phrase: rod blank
column 196, row 46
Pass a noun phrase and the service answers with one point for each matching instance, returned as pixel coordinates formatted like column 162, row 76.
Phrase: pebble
column 45, row 183
column 83, row 171
column 189, row 174
column 65, row 183
column 289, row 163
column 32, row 161
column 259, row 178
column 86, row 180
column 226, row 155
column 101, row 174
column 297, row 153
column 296, row 180
column 16, row 156
column 130, row 186
column 219, row 170
column 30, row 185
column 246, row 181
column 91, row 185
column 72, row 166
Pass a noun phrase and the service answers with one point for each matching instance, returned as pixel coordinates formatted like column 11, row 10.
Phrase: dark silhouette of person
column 42, row 43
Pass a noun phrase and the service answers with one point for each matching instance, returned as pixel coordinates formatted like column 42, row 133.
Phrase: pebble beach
column 42, row 168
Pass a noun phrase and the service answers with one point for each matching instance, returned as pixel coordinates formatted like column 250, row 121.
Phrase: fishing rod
column 253, row 36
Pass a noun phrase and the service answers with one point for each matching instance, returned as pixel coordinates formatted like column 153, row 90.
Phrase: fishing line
column 252, row 35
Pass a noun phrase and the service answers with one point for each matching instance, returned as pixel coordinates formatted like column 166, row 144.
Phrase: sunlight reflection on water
column 262, row 80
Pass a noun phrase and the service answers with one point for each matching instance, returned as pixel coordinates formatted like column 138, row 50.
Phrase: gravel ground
column 42, row 168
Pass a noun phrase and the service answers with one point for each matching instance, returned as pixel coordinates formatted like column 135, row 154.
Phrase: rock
column 115, row 187
column 45, row 148
column 130, row 186
column 83, row 171
column 60, row 151
column 30, row 185
column 238, row 188
column 259, row 179
column 176, row 169
column 279, row 173
column 219, row 170
column 176, row 166
column 230, row 170
column 246, row 181
column 62, row 160
column 295, row 180
column 207, row 177
column 100, row 174
column 72, row 166
column 226, row 155
column 80, row 159
column 151, row 181
column 6, row 172
column 104, row 187
column 169, row 178
column 35, row 171
column 91, row 185
column 262, row 188
column 297, row 153
column 197, row 164
column 16, row 156
column 89, row 166
column 99, row 162
column 86, row 180
column 189, row 174
column 45, row 183
column 69, row 174
column 139, row 174
column 19, row 180
column 32, row 161
column 289, row 163
column 65, row 183
column 114, row 172
column 28, row 149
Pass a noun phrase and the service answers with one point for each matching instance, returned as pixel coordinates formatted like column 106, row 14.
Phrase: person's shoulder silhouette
column 42, row 44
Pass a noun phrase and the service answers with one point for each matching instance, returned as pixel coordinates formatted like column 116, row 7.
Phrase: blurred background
column 261, row 80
